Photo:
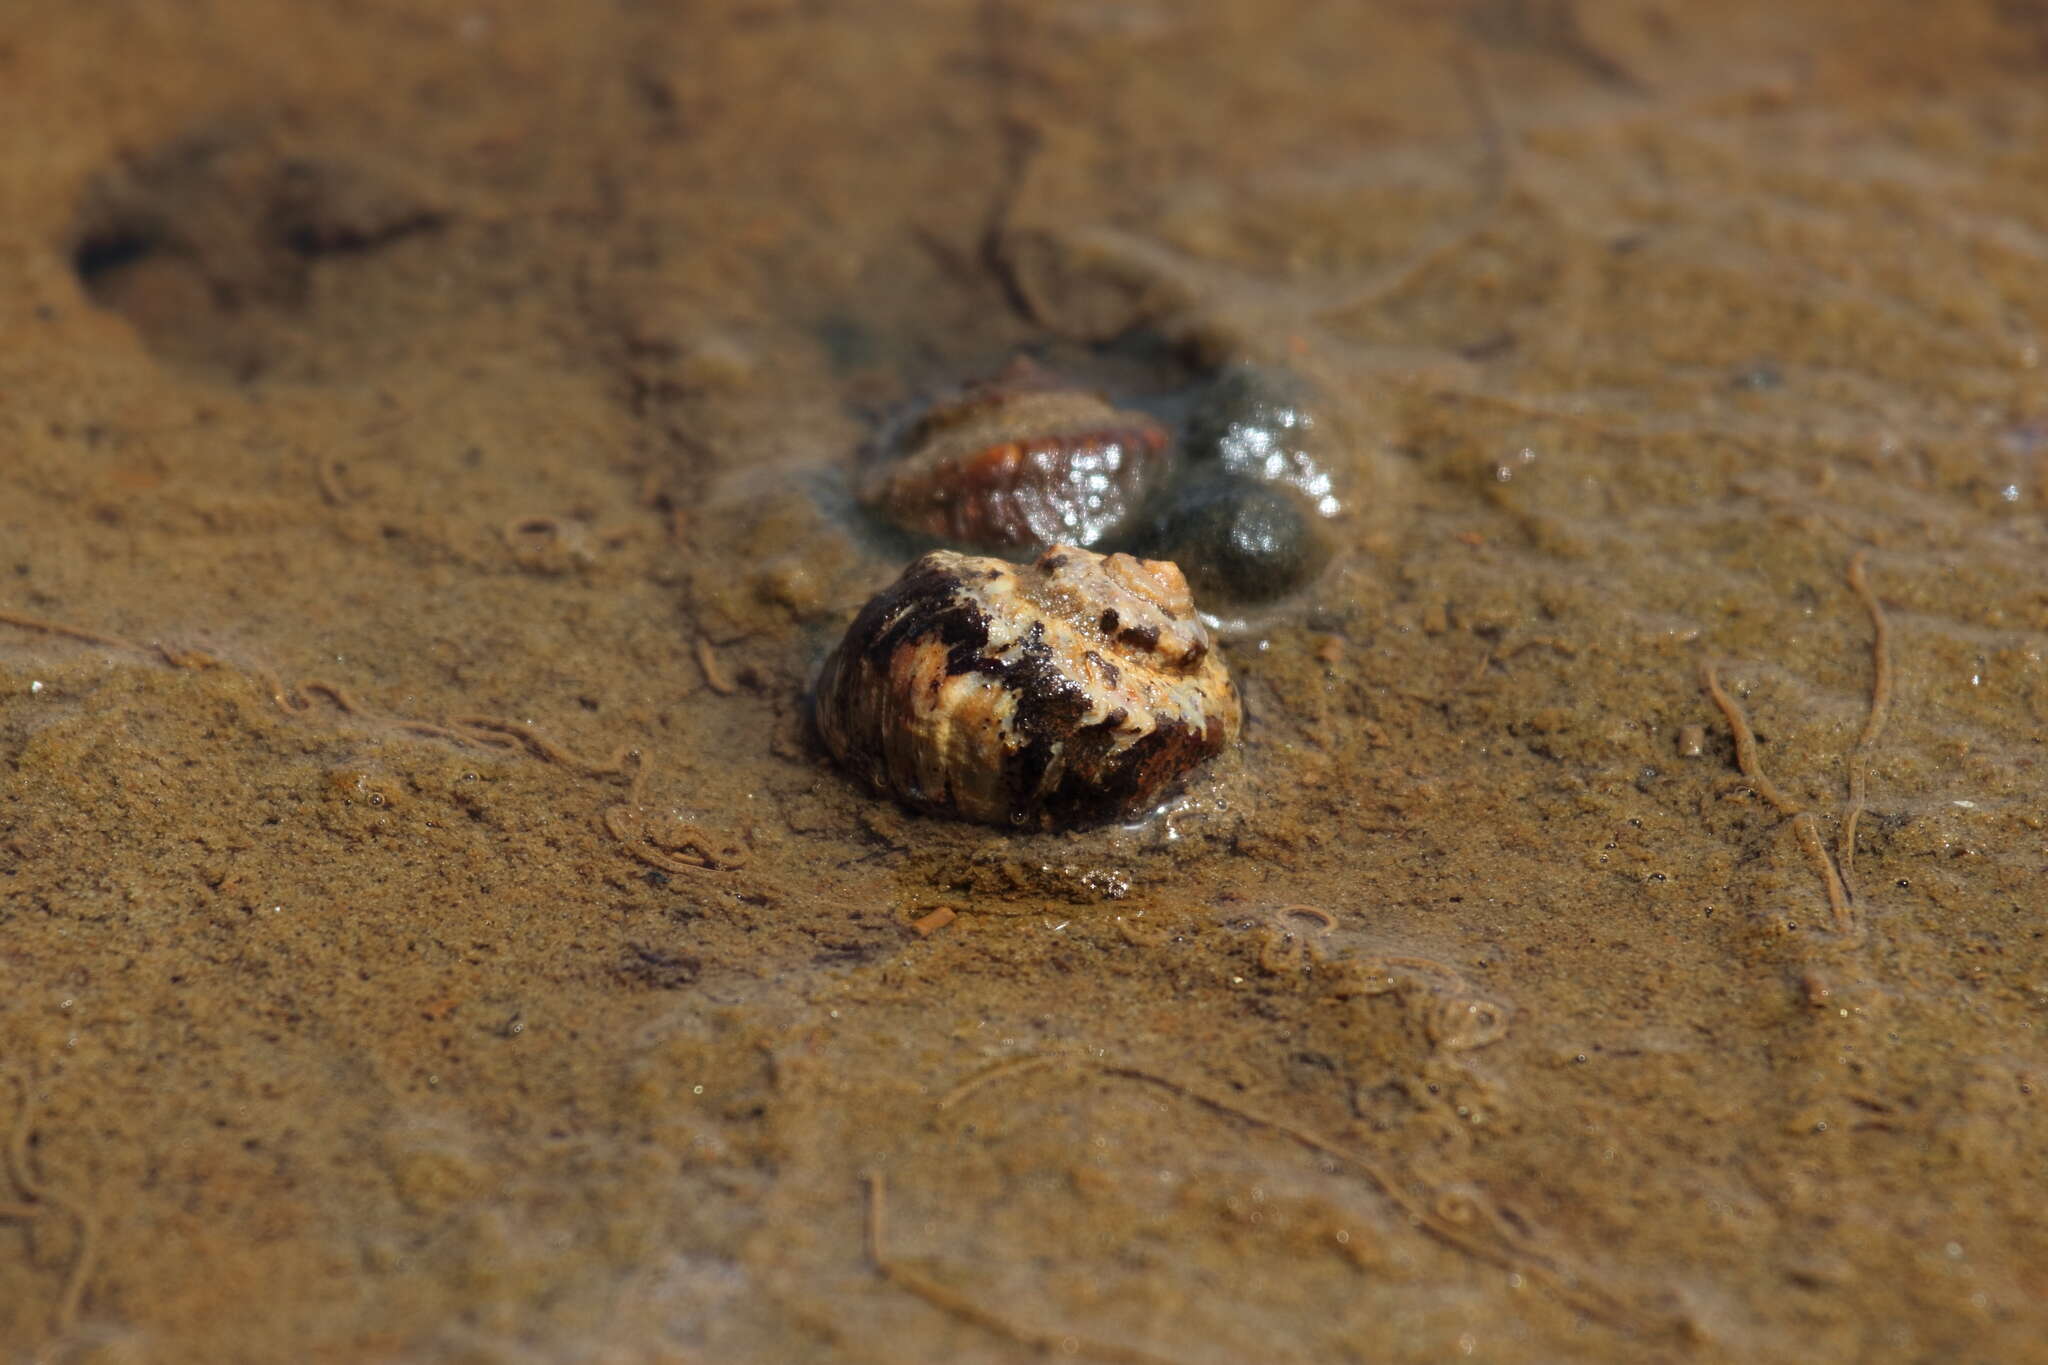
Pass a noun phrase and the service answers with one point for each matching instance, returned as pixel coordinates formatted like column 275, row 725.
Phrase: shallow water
column 424, row 435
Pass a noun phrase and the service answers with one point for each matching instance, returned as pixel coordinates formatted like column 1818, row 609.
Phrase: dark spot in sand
column 656, row 968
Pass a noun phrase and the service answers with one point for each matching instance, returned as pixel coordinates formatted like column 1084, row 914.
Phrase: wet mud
column 430, row 929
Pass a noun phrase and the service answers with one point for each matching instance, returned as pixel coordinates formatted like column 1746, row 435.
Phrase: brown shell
column 1022, row 460
column 1078, row 689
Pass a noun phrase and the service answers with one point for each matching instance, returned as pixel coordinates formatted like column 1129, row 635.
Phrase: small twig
column 69, row 632
column 1873, row 726
column 1802, row 820
column 715, row 676
column 41, row 1199
column 1745, row 742
column 960, row 1306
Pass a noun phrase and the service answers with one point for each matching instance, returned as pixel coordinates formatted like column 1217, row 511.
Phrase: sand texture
column 431, row 931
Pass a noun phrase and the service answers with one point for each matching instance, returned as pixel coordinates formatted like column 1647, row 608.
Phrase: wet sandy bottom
column 429, row 930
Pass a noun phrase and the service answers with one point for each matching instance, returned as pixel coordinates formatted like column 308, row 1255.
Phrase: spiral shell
column 1019, row 461
column 1074, row 690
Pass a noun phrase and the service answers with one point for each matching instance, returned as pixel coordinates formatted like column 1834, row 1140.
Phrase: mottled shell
column 1021, row 461
column 1074, row 690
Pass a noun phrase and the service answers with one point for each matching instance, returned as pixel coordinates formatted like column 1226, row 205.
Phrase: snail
column 1244, row 516
column 1017, row 462
column 1073, row 690
column 1264, row 423
column 1242, row 540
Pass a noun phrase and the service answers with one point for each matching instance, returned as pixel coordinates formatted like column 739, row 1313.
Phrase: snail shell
column 1243, row 540
column 1077, row 689
column 1019, row 461
column 1268, row 424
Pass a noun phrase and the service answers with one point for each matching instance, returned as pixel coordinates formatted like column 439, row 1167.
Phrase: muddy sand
column 429, row 930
